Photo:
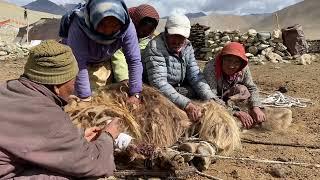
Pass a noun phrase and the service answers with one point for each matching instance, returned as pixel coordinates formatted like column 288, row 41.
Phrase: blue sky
column 167, row 7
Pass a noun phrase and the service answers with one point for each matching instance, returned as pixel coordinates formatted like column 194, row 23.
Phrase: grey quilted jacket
column 165, row 70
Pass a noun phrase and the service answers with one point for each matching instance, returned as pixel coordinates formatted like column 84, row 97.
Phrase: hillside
column 46, row 6
column 225, row 22
column 222, row 22
column 195, row 15
column 14, row 12
column 305, row 13
column 69, row 7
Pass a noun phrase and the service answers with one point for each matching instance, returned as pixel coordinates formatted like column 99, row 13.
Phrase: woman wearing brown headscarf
column 145, row 19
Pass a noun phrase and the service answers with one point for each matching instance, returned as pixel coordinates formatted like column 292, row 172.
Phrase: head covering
column 89, row 16
column 235, row 49
column 51, row 63
column 142, row 11
column 99, row 9
column 178, row 24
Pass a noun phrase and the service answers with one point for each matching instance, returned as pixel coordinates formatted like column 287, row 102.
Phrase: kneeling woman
column 230, row 78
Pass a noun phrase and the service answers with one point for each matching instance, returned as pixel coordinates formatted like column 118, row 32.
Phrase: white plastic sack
column 123, row 141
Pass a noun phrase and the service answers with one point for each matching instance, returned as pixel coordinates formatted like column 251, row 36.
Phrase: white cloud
column 167, row 7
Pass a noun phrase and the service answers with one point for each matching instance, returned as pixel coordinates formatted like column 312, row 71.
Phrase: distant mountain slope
column 223, row 22
column 69, row 7
column 191, row 15
column 46, row 6
column 195, row 15
column 14, row 12
column 228, row 22
column 306, row 13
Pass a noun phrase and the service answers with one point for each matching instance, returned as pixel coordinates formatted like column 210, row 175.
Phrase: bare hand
column 245, row 119
column 257, row 115
column 92, row 133
column 193, row 111
column 113, row 128
column 133, row 100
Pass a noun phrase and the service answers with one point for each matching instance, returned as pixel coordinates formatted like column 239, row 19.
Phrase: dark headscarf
column 90, row 14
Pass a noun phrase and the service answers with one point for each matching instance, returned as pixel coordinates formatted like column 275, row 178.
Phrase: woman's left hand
column 258, row 115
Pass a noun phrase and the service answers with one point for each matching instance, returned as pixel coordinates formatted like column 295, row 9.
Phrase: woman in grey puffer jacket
column 170, row 66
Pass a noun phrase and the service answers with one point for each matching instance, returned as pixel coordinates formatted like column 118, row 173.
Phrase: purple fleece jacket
column 88, row 51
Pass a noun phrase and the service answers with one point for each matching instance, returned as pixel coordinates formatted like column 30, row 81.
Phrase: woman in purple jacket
column 95, row 32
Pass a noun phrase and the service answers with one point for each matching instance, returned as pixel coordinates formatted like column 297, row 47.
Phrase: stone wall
column 13, row 51
column 8, row 33
column 314, row 46
column 260, row 46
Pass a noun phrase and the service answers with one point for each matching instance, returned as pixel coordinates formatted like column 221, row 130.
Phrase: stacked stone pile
column 198, row 39
column 260, row 46
column 13, row 51
column 314, row 46
column 8, row 33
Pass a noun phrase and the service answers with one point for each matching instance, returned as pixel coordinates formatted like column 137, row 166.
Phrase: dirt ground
column 301, row 81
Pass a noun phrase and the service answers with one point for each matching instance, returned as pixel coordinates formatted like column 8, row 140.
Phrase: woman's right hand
column 245, row 119
column 194, row 112
column 257, row 115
